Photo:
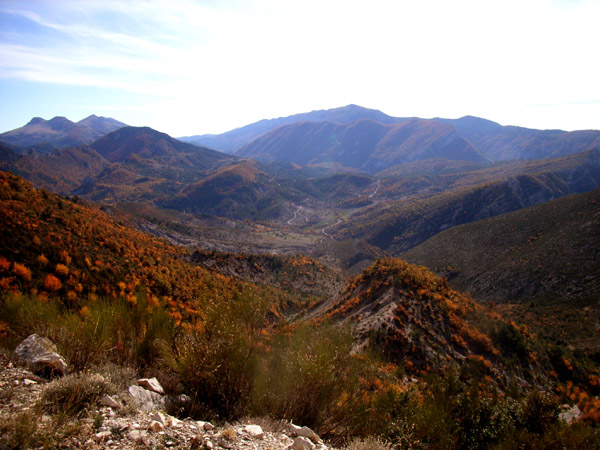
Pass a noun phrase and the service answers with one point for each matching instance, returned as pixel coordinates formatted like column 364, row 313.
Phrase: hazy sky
column 193, row 67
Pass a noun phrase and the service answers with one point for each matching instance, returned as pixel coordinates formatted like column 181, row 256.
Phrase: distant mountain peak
column 60, row 123
column 35, row 121
column 61, row 132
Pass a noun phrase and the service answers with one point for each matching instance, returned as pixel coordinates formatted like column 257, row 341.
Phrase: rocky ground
column 124, row 420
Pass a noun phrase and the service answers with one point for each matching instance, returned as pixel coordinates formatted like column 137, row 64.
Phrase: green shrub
column 216, row 363
column 105, row 330
column 540, row 412
column 26, row 314
column 310, row 376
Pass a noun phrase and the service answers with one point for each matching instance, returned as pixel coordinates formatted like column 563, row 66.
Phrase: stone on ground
column 41, row 354
column 304, row 432
column 151, row 384
column 255, row 431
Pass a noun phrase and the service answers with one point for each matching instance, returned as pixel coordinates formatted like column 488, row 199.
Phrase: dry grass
column 369, row 443
column 74, row 394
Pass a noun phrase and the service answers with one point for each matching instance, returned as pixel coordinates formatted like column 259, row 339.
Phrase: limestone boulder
column 41, row 355
column 146, row 400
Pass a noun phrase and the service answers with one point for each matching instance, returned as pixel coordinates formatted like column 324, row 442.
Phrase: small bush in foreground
column 369, row 443
column 72, row 395
column 311, row 376
column 19, row 432
column 216, row 361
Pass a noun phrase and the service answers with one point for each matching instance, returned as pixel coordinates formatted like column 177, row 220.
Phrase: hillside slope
column 416, row 319
column 398, row 225
column 236, row 190
column 61, row 171
column 499, row 142
column 543, row 259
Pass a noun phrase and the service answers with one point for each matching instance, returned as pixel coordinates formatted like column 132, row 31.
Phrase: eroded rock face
column 41, row 354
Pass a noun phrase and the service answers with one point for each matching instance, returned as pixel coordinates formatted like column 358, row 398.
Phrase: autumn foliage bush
column 51, row 283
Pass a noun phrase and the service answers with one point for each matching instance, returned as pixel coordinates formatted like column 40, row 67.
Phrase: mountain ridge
column 61, row 132
column 364, row 144
column 232, row 140
column 497, row 142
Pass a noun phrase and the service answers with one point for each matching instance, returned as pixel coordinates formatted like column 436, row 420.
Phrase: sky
column 193, row 67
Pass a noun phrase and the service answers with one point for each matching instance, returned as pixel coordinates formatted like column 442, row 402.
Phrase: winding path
column 376, row 189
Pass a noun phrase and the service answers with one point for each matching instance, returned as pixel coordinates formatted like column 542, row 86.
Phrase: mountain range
column 60, row 132
column 494, row 141
column 363, row 145
column 230, row 141
column 397, row 182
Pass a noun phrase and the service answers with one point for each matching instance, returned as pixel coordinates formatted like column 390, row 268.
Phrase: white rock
column 304, row 432
column 136, row 435
column 159, row 417
column 255, row 431
column 41, row 354
column 147, row 400
column 103, row 434
column 107, row 400
column 301, row 443
column 569, row 413
column 28, row 382
column 209, row 444
column 175, row 422
column 151, row 384
column 207, row 426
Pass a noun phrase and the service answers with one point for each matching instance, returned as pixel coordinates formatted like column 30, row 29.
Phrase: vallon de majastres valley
column 333, row 279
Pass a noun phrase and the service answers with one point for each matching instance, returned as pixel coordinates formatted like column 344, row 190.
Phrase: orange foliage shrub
column 51, row 283
column 64, row 256
column 61, row 270
column 6, row 283
column 22, row 272
column 84, row 312
column 4, row 263
column 42, row 260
